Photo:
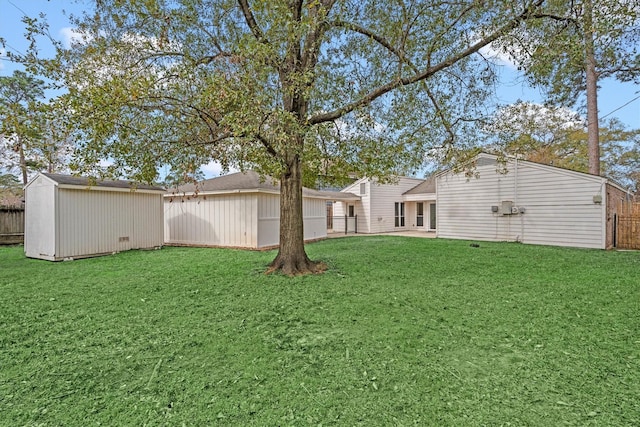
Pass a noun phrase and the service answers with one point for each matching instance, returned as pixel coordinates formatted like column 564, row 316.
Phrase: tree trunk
column 292, row 259
column 592, row 92
column 23, row 163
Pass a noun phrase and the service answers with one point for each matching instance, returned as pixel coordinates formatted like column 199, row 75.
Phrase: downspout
column 515, row 183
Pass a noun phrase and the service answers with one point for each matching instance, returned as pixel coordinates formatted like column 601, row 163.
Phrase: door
column 420, row 214
column 432, row 216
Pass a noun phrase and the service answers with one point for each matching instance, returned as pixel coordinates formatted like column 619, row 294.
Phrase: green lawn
column 399, row 331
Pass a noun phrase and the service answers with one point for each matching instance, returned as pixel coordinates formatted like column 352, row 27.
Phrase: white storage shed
column 527, row 202
column 239, row 210
column 69, row 217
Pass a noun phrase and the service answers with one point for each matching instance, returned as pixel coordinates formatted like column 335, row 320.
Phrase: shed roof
column 251, row 181
column 87, row 182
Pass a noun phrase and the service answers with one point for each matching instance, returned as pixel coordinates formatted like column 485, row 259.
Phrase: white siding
column 361, row 208
column 376, row 209
column 382, row 201
column 559, row 206
column 212, row 220
column 268, row 220
column 92, row 222
column 40, row 219
column 248, row 220
column 315, row 218
column 74, row 221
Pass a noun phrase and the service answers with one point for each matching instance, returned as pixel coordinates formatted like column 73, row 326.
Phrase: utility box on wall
column 506, row 207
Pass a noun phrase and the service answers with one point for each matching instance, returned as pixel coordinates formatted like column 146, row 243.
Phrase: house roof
column 428, row 186
column 87, row 182
column 251, row 181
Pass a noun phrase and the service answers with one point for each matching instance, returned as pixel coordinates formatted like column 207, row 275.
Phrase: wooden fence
column 627, row 234
column 11, row 225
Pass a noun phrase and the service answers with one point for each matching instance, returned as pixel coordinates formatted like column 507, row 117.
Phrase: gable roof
column 78, row 181
column 428, row 186
column 251, row 182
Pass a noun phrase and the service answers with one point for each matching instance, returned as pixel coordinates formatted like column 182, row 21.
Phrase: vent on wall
column 123, row 239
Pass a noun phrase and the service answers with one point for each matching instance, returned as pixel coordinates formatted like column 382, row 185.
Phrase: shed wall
column 559, row 205
column 314, row 212
column 40, row 219
column 212, row 220
column 91, row 222
column 248, row 220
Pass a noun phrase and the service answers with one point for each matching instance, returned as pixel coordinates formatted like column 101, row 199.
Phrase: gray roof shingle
column 86, row 182
column 428, row 186
column 251, row 181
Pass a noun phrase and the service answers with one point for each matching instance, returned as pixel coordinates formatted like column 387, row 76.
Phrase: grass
column 399, row 331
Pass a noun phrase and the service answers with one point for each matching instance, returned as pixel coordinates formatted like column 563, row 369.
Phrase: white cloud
column 213, row 169
column 499, row 57
column 72, row 36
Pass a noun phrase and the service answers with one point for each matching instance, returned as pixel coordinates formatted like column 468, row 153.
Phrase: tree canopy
column 571, row 45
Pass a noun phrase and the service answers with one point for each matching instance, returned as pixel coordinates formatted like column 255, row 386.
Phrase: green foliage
column 342, row 86
column 551, row 49
column 32, row 136
column 495, row 335
column 557, row 136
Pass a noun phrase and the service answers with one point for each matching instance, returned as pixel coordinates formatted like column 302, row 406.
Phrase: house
column 69, row 217
column 384, row 208
column 515, row 200
column 239, row 210
column 528, row 202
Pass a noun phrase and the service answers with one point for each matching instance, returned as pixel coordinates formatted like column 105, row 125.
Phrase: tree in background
column 31, row 137
column 558, row 136
column 572, row 45
column 279, row 86
column 21, row 121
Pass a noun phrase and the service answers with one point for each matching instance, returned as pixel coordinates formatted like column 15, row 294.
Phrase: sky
column 620, row 100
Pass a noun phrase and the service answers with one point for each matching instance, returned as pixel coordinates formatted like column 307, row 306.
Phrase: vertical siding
column 212, row 220
column 40, row 219
column 559, row 206
column 239, row 220
column 315, row 218
column 94, row 222
column 268, row 220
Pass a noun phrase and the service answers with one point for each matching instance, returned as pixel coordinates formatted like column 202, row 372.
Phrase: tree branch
column 428, row 72
column 251, row 21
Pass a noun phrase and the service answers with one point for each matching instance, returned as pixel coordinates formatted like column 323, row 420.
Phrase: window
column 352, row 211
column 363, row 188
column 420, row 214
column 399, row 214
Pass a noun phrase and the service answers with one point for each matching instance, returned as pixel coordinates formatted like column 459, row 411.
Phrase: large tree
column 571, row 45
column 31, row 135
column 285, row 87
column 558, row 136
